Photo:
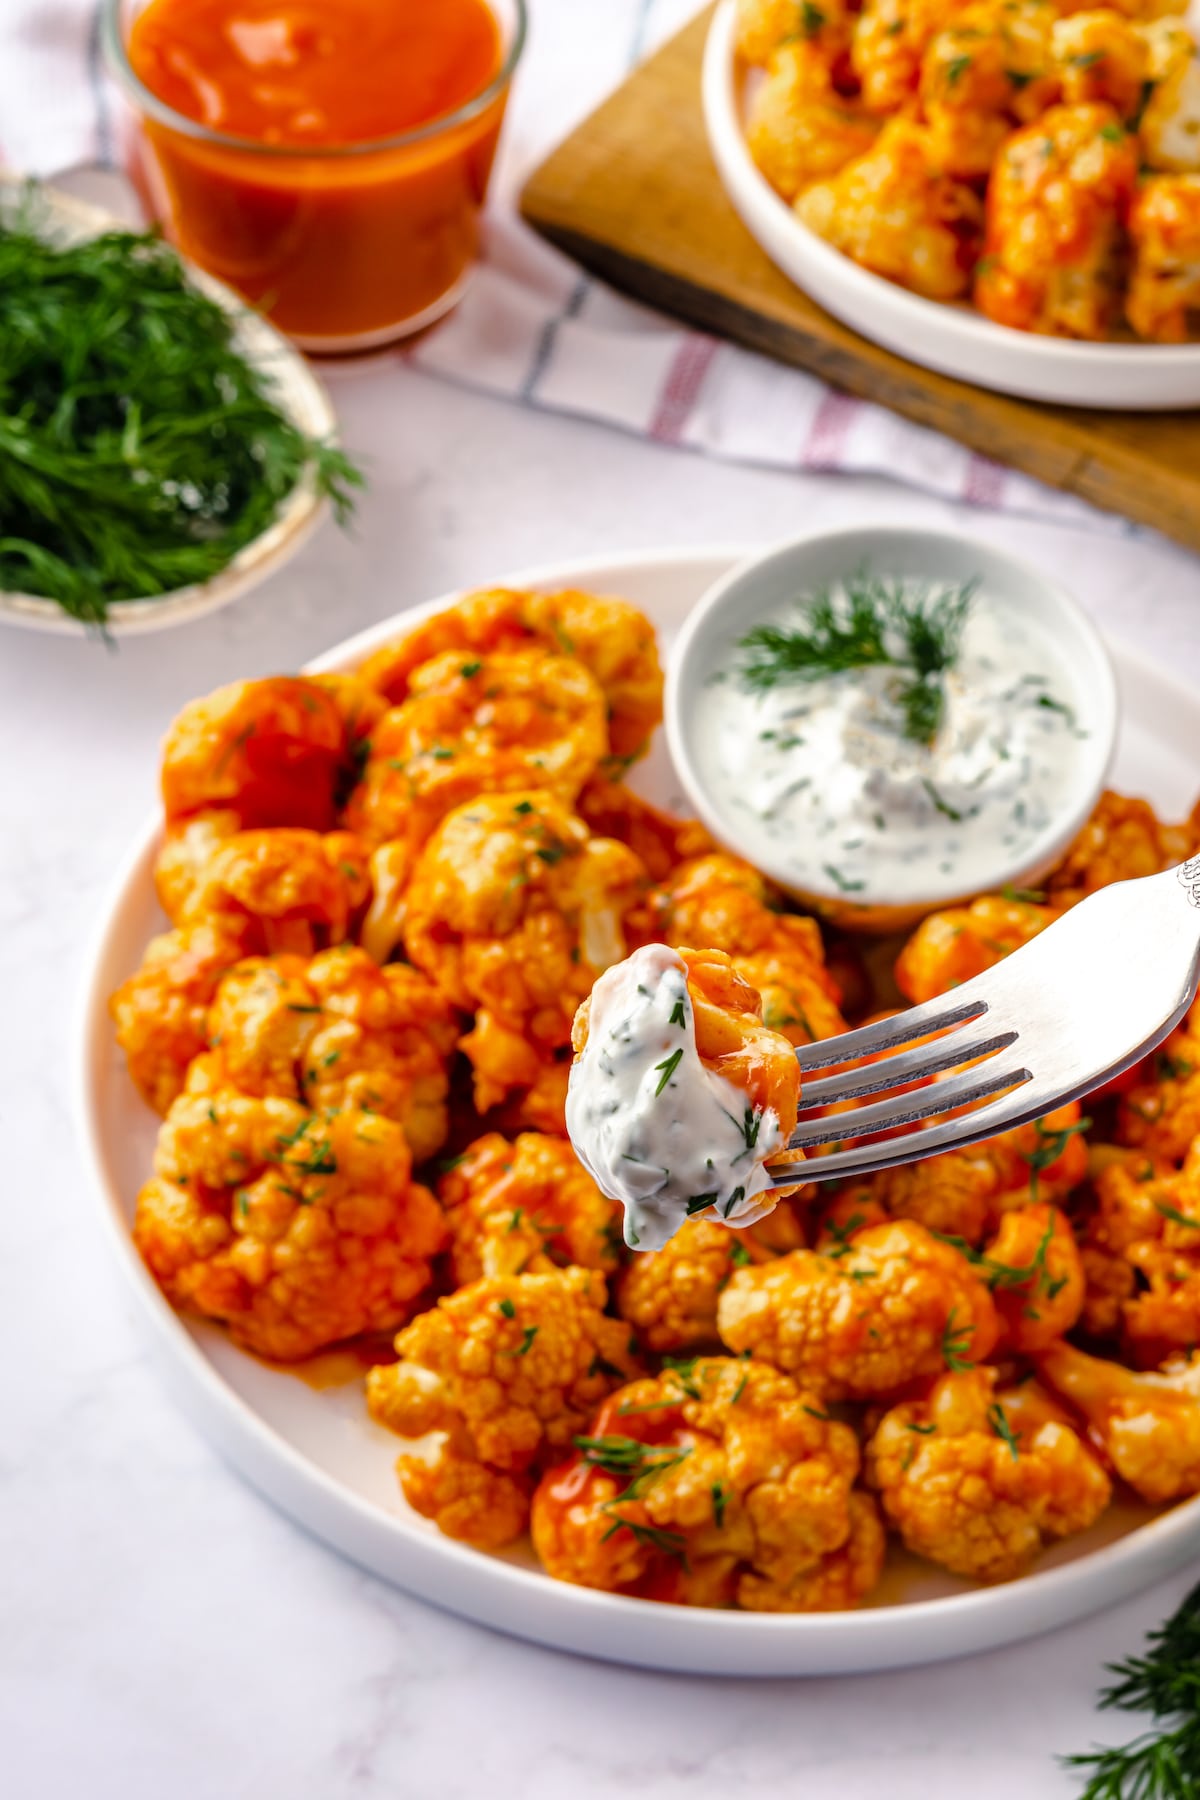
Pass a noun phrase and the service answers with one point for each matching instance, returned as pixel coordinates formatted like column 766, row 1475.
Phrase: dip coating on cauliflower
column 506, row 1369
column 1148, row 1425
column 274, row 752
column 897, row 212
column 337, row 1032
column 980, row 1478
column 486, row 724
column 295, row 1228
column 727, row 1467
column 889, row 1305
column 611, row 638
column 525, row 1206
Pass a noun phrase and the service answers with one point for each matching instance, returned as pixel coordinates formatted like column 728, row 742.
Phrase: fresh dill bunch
column 869, row 623
column 1163, row 1763
column 139, row 450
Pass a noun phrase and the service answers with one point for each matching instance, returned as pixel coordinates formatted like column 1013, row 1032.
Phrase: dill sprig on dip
column 139, row 451
column 869, row 623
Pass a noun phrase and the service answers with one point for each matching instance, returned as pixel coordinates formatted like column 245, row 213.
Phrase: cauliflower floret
column 728, row 1466
column 764, row 25
column 296, row 1228
column 800, row 129
column 948, row 948
column 1161, row 1115
column 1170, row 124
column 1149, row 1425
column 1147, row 1221
column 513, row 911
column 340, row 1032
column 525, row 1206
column 507, row 1369
column 275, row 752
column 302, row 889
column 660, row 841
column 1165, row 286
column 990, row 65
column 1057, row 206
column 670, row 1296
column 891, row 1305
column 161, row 1012
column 610, row 638
column 1037, row 1278
column 1124, row 838
column 896, row 212
column 491, row 723
column 890, row 41
column 1104, row 58
column 980, row 1480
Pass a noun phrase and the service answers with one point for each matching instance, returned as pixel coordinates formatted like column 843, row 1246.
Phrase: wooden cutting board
column 634, row 196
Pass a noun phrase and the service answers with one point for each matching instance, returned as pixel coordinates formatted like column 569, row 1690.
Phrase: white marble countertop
column 166, row 1635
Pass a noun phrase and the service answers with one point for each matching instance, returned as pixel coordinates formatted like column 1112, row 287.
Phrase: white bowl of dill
column 162, row 448
column 886, row 721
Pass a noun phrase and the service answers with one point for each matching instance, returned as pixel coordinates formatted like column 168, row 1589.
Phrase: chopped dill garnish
column 720, row 1500
column 869, row 624
column 678, row 1016
column 139, row 450
column 1050, row 1146
column 999, row 1422
column 668, row 1067
column 507, row 1308
column 956, row 1344
column 1176, row 1217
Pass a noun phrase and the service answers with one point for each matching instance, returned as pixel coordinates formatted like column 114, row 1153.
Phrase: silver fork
column 1077, row 1005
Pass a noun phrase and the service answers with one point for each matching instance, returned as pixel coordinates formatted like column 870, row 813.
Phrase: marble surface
column 164, row 1633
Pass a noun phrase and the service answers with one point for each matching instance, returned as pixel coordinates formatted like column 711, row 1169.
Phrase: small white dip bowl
column 766, row 586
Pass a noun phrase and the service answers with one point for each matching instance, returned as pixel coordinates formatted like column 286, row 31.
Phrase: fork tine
column 910, row 1065
column 1000, row 1114
column 908, row 1109
column 886, row 1034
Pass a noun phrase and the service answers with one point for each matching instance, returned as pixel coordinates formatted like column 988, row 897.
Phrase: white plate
column 297, row 393
column 319, row 1457
column 954, row 340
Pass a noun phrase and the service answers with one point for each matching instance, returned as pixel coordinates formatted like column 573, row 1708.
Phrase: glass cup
column 343, row 248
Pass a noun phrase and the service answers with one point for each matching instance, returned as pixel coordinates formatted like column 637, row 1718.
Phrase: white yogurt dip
column 819, row 778
column 654, row 1127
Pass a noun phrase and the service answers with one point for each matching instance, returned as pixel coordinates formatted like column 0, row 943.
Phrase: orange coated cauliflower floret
column 799, row 128
column 301, row 890
column 670, row 1296
column 1124, row 838
column 1161, row 1115
column 895, row 211
column 727, row 1467
column 275, row 752
column 1034, row 1269
column 989, row 66
column 487, row 724
column 764, row 25
column 950, row 947
column 161, row 1012
column 1149, row 1425
column 525, row 1206
column 1146, row 1222
column 513, row 911
column 1057, row 207
column 507, row 1369
column 611, row 638
column 890, row 41
column 1163, row 302
column 660, row 840
column 296, row 1228
column 888, row 1306
column 980, row 1480
column 337, row 1032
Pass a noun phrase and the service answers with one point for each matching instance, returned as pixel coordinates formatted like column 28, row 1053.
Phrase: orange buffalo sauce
column 342, row 237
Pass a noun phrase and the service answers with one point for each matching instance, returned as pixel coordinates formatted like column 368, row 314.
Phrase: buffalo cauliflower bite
column 888, row 1306
column 161, row 1012
column 611, row 638
column 300, row 889
column 679, row 1094
column 1169, row 128
column 660, row 841
column 1164, row 289
column 487, row 724
column 1160, row 1114
column 896, row 211
column 1057, row 207
column 295, row 1228
column 340, row 1032
column 670, row 1296
column 513, row 910
column 1123, row 839
column 506, row 1370
column 980, row 1479
column 1146, row 1222
column 799, row 128
column 727, row 1467
column 988, row 67
column 890, row 41
column 764, row 25
column 274, row 752
column 1148, row 1424
column 1036, row 1275
column 525, row 1206
column 1103, row 58
column 950, row 947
